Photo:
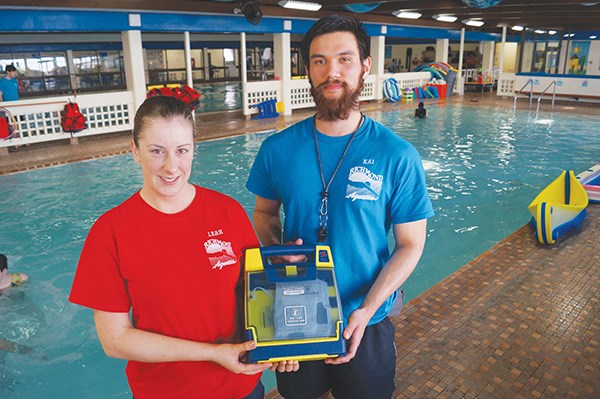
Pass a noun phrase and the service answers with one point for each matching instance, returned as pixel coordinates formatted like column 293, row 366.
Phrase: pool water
column 219, row 97
column 484, row 165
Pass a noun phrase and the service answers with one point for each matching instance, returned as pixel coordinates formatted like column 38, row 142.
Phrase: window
column 168, row 66
column 40, row 73
column 98, row 69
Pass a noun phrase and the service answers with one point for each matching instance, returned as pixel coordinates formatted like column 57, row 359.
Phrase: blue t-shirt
column 380, row 182
column 9, row 89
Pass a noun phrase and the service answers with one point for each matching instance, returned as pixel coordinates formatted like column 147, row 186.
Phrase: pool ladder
column 529, row 82
column 537, row 110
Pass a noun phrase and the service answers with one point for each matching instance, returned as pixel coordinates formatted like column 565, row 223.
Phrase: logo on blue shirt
column 363, row 184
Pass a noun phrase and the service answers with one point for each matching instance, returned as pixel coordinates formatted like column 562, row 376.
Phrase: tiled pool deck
column 522, row 320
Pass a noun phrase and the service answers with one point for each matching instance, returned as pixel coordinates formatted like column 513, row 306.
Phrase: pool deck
column 521, row 320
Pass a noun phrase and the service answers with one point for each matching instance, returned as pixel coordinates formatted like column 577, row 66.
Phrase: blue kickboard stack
column 266, row 109
column 292, row 310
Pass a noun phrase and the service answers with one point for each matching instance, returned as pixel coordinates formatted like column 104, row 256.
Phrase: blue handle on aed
column 280, row 272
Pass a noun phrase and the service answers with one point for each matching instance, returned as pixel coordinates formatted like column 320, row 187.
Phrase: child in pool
column 9, row 279
column 421, row 112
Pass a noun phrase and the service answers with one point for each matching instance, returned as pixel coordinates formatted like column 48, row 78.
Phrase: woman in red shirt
column 162, row 272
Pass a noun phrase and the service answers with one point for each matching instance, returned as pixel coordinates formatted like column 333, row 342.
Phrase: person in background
column 9, row 279
column 9, row 85
column 351, row 181
column 162, row 272
column 420, row 112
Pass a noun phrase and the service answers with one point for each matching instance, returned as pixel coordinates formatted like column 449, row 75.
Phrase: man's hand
column 353, row 333
column 286, row 366
column 289, row 258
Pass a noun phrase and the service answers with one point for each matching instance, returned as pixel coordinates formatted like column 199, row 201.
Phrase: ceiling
column 560, row 15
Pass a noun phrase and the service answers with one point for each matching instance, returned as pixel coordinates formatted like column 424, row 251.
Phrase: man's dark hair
column 10, row 68
column 336, row 23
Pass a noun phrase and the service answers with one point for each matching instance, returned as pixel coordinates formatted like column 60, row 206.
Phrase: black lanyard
column 322, row 233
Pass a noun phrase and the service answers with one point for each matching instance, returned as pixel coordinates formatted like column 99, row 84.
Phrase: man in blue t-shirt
column 9, row 86
column 345, row 180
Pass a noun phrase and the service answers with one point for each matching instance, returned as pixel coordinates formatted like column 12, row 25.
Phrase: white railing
column 256, row 92
column 301, row 97
column 369, row 89
column 470, row 75
column 506, row 84
column 407, row 79
column 39, row 120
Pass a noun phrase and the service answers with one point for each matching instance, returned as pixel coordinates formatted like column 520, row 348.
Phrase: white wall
column 527, row 57
column 510, row 56
column 593, row 67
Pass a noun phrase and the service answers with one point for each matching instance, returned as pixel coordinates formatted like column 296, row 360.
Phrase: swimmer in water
column 9, row 279
column 421, row 112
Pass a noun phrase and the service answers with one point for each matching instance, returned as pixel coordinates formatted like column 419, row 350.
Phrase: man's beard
column 337, row 108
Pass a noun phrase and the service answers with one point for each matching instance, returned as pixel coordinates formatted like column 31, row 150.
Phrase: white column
column 133, row 56
column 378, row 63
column 441, row 50
column 283, row 68
column 205, row 61
column 71, row 69
column 488, row 55
column 461, row 50
column 501, row 66
column 188, row 59
column 244, row 73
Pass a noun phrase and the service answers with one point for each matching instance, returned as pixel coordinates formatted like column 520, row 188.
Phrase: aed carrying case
column 292, row 310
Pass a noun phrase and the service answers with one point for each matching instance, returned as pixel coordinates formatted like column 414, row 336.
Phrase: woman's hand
column 230, row 356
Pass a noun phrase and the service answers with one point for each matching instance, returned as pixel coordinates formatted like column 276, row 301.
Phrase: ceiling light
column 445, row 18
column 539, row 31
column 569, row 35
column 300, row 5
column 552, row 32
column 593, row 37
column 407, row 14
column 518, row 28
column 473, row 22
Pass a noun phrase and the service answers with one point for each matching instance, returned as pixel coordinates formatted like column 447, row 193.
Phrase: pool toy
column 266, row 109
column 391, row 91
column 558, row 208
column 408, row 95
column 431, row 91
column 435, row 72
column 590, row 180
column 292, row 310
column 419, row 93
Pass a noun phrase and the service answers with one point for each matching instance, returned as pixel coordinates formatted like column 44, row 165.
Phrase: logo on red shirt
column 220, row 253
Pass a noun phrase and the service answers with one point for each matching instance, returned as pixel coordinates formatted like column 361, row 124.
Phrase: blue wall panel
column 21, row 20
column 62, row 21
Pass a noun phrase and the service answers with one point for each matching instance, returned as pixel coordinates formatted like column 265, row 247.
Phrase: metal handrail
column 529, row 81
column 537, row 110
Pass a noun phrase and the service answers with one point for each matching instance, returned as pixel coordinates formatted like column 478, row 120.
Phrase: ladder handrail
column 537, row 110
column 529, row 81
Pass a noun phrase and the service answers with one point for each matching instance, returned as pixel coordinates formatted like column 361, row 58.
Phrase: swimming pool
column 219, row 97
column 483, row 165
